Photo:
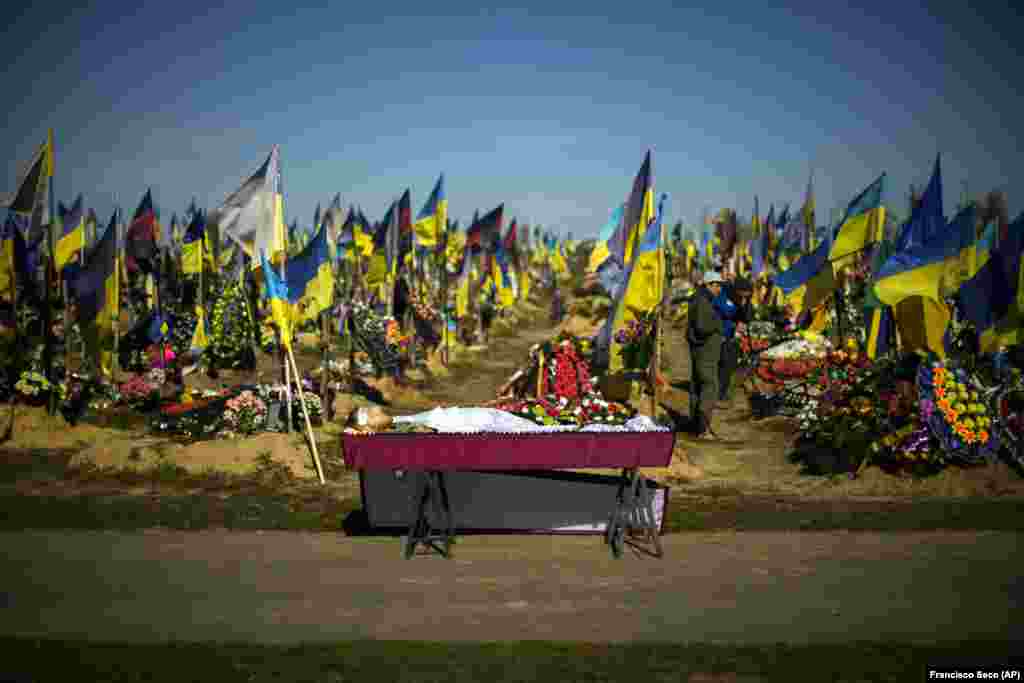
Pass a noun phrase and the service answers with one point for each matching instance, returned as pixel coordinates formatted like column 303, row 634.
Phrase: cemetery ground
column 135, row 558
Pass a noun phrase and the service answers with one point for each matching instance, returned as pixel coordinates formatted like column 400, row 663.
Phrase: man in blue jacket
column 733, row 306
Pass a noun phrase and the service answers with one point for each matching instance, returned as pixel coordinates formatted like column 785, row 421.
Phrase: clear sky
column 545, row 106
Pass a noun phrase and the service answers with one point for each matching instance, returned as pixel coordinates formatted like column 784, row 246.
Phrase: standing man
column 733, row 306
column 704, row 336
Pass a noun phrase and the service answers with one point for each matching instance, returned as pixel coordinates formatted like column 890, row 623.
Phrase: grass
column 42, row 491
column 764, row 513
column 58, row 660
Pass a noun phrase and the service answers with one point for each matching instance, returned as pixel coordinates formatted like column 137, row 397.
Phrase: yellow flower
column 960, row 408
column 969, row 422
column 974, row 395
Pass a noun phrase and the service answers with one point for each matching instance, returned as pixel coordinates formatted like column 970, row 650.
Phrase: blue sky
column 547, row 107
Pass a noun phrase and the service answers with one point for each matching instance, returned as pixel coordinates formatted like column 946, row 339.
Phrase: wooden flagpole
column 114, row 361
column 17, row 336
column 47, row 301
column 305, row 413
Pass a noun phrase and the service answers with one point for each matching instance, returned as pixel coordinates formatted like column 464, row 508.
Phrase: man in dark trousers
column 733, row 306
column 704, row 337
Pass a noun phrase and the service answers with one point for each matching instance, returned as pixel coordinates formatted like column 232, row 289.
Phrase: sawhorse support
column 429, row 488
column 634, row 512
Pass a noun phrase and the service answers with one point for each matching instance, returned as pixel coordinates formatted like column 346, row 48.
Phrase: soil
column 288, row 587
column 751, row 462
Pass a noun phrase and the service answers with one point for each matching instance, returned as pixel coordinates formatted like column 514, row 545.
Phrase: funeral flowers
column 245, row 413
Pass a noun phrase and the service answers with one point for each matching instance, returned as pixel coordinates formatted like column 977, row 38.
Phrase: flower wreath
column 569, row 395
column 952, row 408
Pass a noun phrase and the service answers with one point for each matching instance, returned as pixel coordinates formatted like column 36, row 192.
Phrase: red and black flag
column 142, row 238
column 511, row 243
column 405, row 231
column 485, row 232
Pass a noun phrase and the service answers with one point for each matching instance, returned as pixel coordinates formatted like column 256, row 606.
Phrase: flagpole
column 444, row 293
column 47, row 301
column 305, row 413
column 116, row 321
column 17, row 332
column 284, row 360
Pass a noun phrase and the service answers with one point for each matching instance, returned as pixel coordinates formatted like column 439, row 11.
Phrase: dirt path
column 280, row 587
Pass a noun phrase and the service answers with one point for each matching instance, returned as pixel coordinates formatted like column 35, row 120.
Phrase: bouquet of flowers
column 245, row 413
column 425, row 311
column 138, row 392
column 1008, row 418
column 395, row 339
column 313, row 405
column 34, row 388
column 637, row 340
column 568, row 392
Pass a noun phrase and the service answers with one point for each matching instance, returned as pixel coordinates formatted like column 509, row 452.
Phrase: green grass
column 314, row 509
column 54, row 660
column 255, row 510
column 763, row 513
column 90, row 497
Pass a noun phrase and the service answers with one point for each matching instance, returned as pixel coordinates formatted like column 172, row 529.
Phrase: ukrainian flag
column 72, row 239
column 433, row 217
column 928, row 220
column 808, row 282
column 601, row 251
column 200, row 340
column 280, row 309
column 878, row 316
column 193, row 246
column 309, row 278
column 992, row 300
column 980, row 251
column 642, row 291
column 637, row 214
column 7, row 265
column 930, row 270
column 462, row 285
column 862, row 223
column 502, row 279
column 97, row 288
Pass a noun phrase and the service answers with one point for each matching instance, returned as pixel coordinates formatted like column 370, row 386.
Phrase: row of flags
column 247, row 226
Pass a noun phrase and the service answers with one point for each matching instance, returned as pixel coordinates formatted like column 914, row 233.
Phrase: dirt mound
column 239, row 456
column 988, row 480
column 579, row 326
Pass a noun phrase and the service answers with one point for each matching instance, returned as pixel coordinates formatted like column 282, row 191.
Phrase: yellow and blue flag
column 932, row 270
column 642, row 290
column 433, row 217
column 309, row 278
column 927, row 220
column 807, row 283
column 878, row 316
column 193, row 245
column 601, row 250
column 979, row 254
column 97, row 285
column 72, row 239
column 637, row 214
column 862, row 223
column 991, row 300
column 280, row 308
column 34, row 197
column 8, row 268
